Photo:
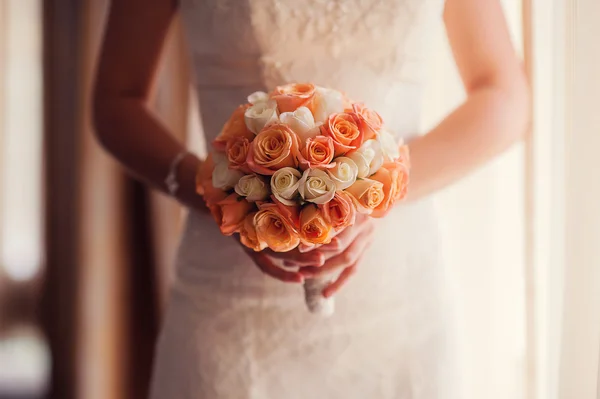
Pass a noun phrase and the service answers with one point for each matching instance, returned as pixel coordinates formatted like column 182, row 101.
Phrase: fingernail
column 287, row 263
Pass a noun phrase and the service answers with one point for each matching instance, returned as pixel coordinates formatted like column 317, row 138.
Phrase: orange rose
column 275, row 229
column 340, row 211
column 230, row 213
column 294, row 95
column 314, row 226
column 275, row 147
column 237, row 152
column 394, row 177
column 344, row 129
column 317, row 153
column 235, row 127
column 248, row 235
column 367, row 194
column 370, row 121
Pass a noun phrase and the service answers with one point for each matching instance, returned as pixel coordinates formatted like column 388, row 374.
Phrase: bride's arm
column 129, row 130
column 124, row 123
column 496, row 111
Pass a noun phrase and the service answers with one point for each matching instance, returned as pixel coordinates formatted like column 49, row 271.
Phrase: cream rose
column 344, row 173
column 225, row 178
column 316, row 186
column 284, row 185
column 253, row 188
column 260, row 115
column 368, row 158
column 327, row 102
column 389, row 146
column 301, row 121
column 258, row 97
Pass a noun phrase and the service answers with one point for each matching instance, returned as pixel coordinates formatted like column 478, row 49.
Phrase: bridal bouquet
column 293, row 167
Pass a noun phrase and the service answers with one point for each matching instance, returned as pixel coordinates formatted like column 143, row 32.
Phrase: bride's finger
column 343, row 260
column 296, row 258
column 268, row 267
column 341, row 242
column 334, row 287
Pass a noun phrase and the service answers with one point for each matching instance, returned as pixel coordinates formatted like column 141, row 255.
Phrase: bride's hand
column 266, row 260
column 342, row 255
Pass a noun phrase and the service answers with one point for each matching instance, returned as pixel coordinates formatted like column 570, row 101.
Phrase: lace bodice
column 373, row 50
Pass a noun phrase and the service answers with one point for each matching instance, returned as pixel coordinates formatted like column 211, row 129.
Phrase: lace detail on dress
column 373, row 50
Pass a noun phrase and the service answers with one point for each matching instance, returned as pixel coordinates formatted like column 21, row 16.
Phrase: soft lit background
column 80, row 294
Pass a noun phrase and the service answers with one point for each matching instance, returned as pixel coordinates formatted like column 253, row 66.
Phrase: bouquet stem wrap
column 315, row 301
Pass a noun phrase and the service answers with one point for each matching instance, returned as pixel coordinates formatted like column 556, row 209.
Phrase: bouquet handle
column 315, row 301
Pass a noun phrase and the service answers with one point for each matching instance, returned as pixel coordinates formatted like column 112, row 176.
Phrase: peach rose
column 394, row 177
column 345, row 131
column 317, row 153
column 294, row 95
column 367, row 195
column 314, row 226
column 234, row 127
column 230, row 212
column 275, row 229
column 370, row 121
column 248, row 235
column 237, row 152
column 275, row 147
column 340, row 211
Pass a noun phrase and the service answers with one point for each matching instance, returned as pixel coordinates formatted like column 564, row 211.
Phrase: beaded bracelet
column 171, row 180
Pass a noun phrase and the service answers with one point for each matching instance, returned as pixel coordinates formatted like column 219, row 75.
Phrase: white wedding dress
column 232, row 332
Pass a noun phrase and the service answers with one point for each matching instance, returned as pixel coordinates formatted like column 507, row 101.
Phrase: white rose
column 368, row 158
column 327, row 102
column 258, row 97
column 301, row 121
column 225, row 178
column 253, row 188
column 389, row 146
column 316, row 186
column 344, row 173
column 284, row 185
column 260, row 115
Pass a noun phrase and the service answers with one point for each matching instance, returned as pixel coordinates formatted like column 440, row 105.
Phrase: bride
column 236, row 325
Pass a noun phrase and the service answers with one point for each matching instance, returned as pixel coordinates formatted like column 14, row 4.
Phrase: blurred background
column 86, row 252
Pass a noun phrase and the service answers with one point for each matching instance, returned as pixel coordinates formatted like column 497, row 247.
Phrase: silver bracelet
column 171, row 180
